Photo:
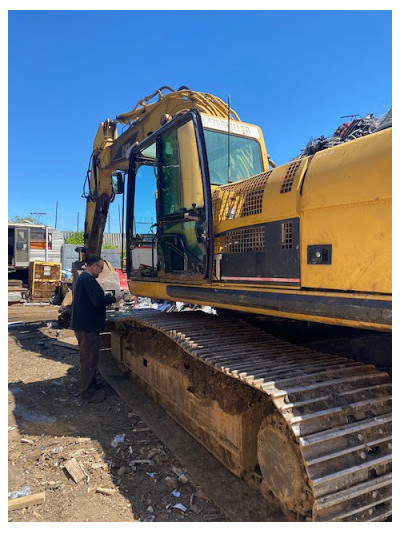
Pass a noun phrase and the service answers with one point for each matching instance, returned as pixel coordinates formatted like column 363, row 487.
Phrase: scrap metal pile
column 348, row 131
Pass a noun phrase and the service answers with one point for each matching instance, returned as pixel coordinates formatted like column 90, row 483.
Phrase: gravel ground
column 51, row 433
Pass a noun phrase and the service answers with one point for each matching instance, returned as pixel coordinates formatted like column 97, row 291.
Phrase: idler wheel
column 282, row 465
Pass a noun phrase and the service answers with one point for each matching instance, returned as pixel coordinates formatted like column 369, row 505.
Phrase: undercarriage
column 310, row 430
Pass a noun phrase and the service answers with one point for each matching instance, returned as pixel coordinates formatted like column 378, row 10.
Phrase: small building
column 32, row 242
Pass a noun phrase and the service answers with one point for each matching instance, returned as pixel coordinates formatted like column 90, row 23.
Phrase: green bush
column 75, row 238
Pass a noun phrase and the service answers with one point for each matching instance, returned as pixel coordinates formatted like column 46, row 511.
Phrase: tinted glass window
column 170, row 186
column 245, row 158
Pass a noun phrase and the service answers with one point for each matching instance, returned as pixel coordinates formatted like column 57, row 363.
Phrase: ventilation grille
column 241, row 199
column 286, row 235
column 241, row 240
column 289, row 178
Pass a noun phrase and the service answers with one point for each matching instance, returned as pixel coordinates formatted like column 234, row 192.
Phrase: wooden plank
column 107, row 492
column 66, row 345
column 74, row 470
column 26, row 501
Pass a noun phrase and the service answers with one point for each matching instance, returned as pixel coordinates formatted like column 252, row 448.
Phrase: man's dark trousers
column 89, row 344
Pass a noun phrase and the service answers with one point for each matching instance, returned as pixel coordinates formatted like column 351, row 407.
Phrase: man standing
column 88, row 319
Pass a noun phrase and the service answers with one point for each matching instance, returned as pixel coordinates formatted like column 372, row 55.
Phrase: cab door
column 184, row 215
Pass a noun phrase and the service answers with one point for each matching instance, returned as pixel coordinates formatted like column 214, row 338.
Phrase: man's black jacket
column 89, row 304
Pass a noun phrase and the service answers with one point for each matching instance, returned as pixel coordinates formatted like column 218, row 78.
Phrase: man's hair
column 92, row 259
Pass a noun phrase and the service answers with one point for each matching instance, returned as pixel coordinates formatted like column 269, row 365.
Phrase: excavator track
column 325, row 450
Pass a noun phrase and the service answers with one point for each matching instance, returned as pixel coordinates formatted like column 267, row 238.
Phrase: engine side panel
column 346, row 203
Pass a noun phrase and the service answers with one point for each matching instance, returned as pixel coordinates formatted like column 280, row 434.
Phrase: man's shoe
column 98, row 396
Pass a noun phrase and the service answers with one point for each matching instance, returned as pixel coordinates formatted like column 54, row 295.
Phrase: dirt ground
column 50, row 431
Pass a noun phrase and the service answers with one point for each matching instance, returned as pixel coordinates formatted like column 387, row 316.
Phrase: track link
column 334, row 412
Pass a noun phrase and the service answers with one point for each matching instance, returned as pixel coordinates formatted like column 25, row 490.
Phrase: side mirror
column 117, row 182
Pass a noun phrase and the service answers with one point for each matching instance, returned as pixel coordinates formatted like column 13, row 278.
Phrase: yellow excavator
column 307, row 242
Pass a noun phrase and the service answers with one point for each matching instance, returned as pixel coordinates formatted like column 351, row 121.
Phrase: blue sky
column 293, row 73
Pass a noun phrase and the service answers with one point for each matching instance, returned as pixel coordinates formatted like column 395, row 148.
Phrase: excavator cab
column 182, row 200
